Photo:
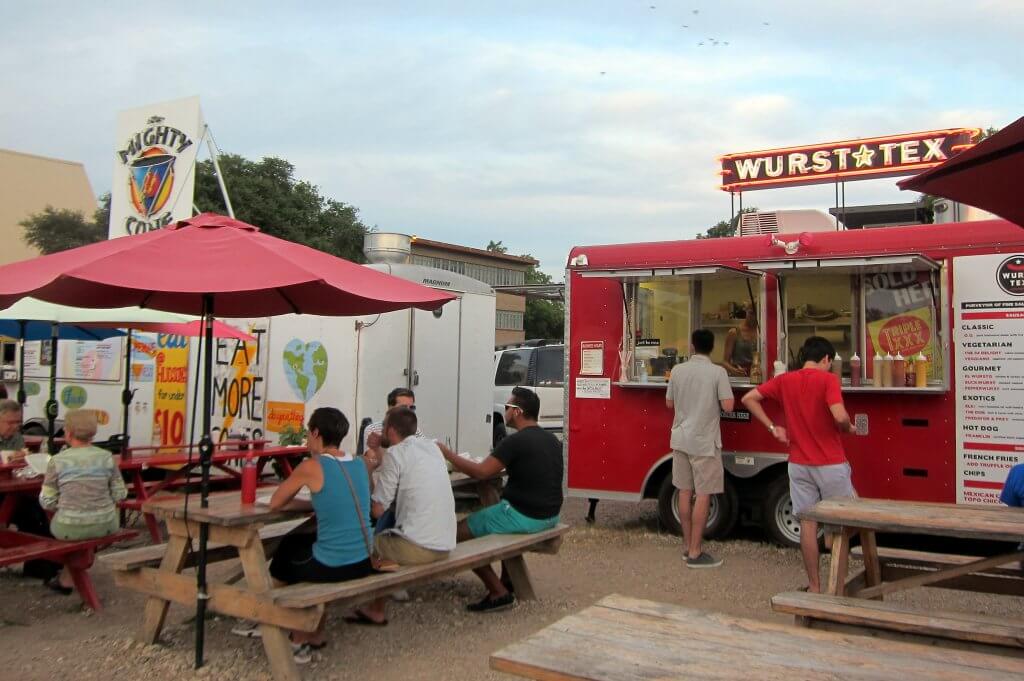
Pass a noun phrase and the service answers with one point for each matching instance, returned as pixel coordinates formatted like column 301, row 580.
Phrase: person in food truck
column 698, row 391
column 532, row 498
column 741, row 344
column 812, row 403
column 413, row 478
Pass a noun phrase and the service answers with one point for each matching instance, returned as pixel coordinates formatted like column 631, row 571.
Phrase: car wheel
column 723, row 513
column 781, row 525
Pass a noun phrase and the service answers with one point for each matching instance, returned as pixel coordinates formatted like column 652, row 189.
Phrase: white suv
column 536, row 365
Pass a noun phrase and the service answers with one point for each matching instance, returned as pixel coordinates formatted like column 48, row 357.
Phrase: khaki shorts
column 404, row 552
column 702, row 474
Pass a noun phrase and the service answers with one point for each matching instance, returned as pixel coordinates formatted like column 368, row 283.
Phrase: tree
column 267, row 195
column 724, row 228
column 56, row 230
column 543, row 318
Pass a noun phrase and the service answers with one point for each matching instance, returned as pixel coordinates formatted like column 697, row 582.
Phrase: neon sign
column 861, row 159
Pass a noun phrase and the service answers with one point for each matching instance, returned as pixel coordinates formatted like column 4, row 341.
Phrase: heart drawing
column 305, row 366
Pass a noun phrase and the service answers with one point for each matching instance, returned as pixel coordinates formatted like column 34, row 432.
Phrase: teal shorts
column 501, row 518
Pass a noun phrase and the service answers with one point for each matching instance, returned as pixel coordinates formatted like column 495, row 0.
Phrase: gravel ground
column 47, row 636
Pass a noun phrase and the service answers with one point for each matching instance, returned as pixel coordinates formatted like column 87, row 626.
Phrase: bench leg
column 78, row 565
column 515, row 569
column 276, row 642
column 156, row 608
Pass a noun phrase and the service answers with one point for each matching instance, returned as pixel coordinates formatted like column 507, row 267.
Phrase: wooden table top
column 627, row 639
column 225, row 509
column 1000, row 523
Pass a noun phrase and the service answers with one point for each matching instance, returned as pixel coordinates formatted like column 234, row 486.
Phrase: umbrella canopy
column 197, row 328
column 249, row 274
column 987, row 175
column 76, row 323
column 206, row 265
column 33, row 331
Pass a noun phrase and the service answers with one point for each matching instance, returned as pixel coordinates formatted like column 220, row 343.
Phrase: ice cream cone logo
column 151, row 180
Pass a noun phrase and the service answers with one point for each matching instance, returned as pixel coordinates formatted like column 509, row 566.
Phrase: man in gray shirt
column 698, row 391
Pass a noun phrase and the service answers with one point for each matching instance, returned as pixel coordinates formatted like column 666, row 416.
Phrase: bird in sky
column 685, row 26
column 696, row 11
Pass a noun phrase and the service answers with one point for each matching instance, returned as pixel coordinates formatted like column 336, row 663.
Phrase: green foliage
column 497, row 247
column 544, row 319
column 292, row 436
column 267, row 195
column 724, row 228
column 56, row 230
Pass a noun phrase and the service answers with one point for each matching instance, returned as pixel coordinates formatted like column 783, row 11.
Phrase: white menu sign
column 988, row 333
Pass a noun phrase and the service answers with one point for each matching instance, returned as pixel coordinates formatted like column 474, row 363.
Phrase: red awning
column 987, row 175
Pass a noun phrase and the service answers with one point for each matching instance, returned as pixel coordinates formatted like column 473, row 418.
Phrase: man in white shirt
column 414, row 476
column 698, row 391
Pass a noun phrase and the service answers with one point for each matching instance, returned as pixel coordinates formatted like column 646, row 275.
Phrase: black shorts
column 294, row 562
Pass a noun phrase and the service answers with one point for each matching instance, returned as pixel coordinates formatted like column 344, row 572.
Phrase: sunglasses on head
column 513, row 406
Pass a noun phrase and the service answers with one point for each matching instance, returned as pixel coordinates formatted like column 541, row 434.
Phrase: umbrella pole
column 21, row 368
column 205, row 457
column 127, row 393
column 51, row 404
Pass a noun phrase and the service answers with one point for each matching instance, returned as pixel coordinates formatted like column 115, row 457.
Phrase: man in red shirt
column 812, row 402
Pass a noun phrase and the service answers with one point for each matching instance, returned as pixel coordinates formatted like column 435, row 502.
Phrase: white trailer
column 296, row 364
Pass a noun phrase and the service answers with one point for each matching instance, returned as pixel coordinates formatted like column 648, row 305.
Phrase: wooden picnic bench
column 856, row 601
column 628, row 639
column 241, row 531
column 77, row 556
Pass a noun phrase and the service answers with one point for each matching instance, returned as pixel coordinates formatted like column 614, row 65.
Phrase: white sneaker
column 247, row 629
column 401, row 596
column 302, row 653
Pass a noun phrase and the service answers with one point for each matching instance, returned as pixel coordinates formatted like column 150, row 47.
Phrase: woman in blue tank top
column 337, row 551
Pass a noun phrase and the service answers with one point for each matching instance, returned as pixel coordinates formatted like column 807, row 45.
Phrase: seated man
column 372, row 436
column 532, row 498
column 413, row 475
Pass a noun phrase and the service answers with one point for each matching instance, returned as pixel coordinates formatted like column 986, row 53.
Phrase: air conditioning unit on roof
column 786, row 222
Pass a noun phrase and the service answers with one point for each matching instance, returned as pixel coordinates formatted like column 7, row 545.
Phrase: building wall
column 28, row 184
column 495, row 270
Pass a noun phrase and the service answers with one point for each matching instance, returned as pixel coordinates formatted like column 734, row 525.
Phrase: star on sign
column 864, row 156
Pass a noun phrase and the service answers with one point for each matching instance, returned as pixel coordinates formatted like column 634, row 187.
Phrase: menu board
column 988, row 333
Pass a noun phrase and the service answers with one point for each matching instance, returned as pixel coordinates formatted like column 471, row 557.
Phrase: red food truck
column 948, row 431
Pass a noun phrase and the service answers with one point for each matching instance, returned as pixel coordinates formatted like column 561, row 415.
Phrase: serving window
column 663, row 307
column 886, row 306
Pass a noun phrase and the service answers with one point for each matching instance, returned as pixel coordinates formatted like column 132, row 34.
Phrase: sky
column 543, row 124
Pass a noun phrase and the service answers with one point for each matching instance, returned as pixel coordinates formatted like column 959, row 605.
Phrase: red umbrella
column 197, row 328
column 211, row 263
column 247, row 273
column 987, row 175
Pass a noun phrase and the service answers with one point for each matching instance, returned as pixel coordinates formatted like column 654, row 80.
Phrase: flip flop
column 361, row 618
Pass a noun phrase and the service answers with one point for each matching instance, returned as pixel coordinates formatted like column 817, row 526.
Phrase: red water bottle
column 249, row 480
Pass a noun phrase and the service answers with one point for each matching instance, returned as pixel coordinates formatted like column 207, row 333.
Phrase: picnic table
column 234, row 532
column 628, row 639
column 846, row 518
column 178, row 463
column 855, row 602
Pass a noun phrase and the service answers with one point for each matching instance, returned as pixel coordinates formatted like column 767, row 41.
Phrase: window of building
column 489, row 274
column 513, row 367
column 507, row 320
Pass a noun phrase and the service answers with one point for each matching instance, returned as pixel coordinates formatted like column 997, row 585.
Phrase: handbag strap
column 359, row 509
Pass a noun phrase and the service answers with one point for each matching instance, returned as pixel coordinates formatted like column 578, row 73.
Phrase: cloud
column 541, row 124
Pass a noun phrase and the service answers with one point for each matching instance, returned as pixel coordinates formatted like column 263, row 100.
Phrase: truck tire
column 781, row 526
column 722, row 514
